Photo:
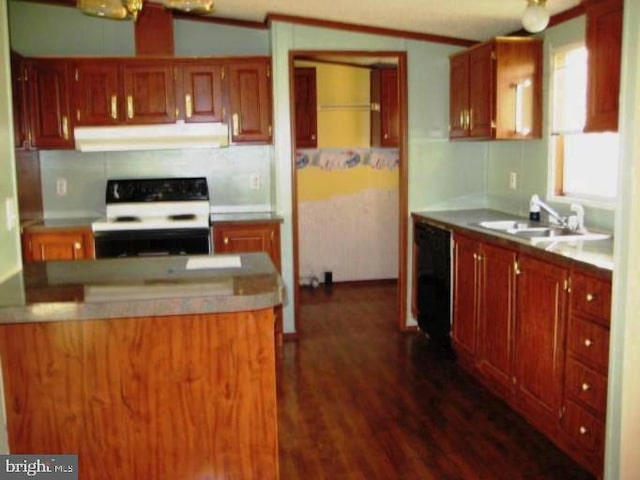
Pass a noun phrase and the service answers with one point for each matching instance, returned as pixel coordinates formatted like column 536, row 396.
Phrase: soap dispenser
column 534, row 209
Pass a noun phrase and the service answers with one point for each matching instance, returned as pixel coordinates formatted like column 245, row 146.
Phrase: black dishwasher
column 433, row 276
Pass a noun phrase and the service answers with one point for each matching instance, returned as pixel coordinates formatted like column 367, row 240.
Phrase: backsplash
column 239, row 177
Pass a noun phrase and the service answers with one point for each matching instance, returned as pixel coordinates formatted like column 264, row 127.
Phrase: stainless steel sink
column 538, row 233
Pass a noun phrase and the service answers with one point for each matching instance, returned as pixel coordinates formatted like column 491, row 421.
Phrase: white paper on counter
column 215, row 261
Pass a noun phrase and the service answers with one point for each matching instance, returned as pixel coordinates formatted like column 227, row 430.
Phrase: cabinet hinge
column 516, row 268
column 76, row 75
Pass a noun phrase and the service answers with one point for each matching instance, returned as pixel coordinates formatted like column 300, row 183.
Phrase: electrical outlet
column 61, row 187
column 255, row 181
column 513, row 181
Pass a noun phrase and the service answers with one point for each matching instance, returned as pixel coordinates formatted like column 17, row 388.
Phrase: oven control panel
column 157, row 190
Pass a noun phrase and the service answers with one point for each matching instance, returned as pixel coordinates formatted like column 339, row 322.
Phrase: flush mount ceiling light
column 535, row 17
column 121, row 9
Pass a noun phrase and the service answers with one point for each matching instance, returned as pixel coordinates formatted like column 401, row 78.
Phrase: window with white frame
column 585, row 165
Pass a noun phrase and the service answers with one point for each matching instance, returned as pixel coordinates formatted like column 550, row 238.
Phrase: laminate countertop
column 596, row 254
column 140, row 287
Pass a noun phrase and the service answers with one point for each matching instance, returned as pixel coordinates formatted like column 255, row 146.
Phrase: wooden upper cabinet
column 18, row 76
column 306, row 107
column 250, row 100
column 50, row 121
column 539, row 339
column 479, row 116
column 203, row 94
column 604, row 44
column 459, row 95
column 149, row 92
column 97, row 93
column 496, row 90
column 385, row 116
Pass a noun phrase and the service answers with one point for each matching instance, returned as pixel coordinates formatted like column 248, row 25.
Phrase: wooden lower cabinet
column 65, row 244
column 246, row 237
column 483, row 309
column 538, row 343
column 537, row 334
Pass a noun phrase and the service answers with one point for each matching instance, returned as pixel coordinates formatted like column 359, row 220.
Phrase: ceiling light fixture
column 121, row 9
column 535, row 17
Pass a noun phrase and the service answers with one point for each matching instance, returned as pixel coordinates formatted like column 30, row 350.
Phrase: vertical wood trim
column 403, row 201
column 154, row 31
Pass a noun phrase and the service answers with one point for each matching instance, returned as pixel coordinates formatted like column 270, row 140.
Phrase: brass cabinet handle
column 462, row 119
column 386, row 135
column 114, row 107
column 129, row 106
column 226, row 240
column 188, row 105
column 77, row 245
column 470, row 119
column 65, row 127
column 583, row 430
column 224, row 113
column 588, row 342
column 236, row 123
column 590, row 297
column 585, row 386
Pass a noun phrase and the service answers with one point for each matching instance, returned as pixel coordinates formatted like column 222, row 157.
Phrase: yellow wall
column 315, row 184
column 343, row 105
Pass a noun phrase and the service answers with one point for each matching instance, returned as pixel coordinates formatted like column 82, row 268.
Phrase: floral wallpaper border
column 340, row 158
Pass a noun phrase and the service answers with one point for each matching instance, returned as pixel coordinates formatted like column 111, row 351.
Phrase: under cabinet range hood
column 151, row 137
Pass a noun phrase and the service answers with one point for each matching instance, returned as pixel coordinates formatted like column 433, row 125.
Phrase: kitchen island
column 158, row 367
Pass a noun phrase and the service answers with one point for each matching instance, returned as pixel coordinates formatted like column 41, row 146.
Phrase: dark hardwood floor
column 359, row 400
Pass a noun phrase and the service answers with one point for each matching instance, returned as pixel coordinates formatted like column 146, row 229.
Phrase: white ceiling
column 468, row 19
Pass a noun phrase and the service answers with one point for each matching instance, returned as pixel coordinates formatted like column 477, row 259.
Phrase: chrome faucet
column 535, row 204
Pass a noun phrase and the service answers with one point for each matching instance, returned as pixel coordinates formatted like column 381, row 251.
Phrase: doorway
column 325, row 171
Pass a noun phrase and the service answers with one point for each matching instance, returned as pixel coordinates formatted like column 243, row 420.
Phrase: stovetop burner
column 127, row 218
column 182, row 216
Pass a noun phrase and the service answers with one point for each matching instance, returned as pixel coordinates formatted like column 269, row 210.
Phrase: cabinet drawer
column 583, row 428
column 591, row 296
column 586, row 386
column 589, row 342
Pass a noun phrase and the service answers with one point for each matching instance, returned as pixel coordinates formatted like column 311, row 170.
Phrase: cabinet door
column 539, row 339
column 97, row 93
column 481, row 91
column 604, row 43
column 306, row 109
column 18, row 75
column 73, row 245
column 149, row 93
column 390, row 117
column 465, row 296
column 203, row 99
column 459, row 95
column 248, row 237
column 49, row 108
column 385, row 117
column 250, row 87
column 496, row 315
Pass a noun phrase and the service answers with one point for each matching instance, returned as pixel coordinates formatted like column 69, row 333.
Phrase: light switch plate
column 513, row 181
